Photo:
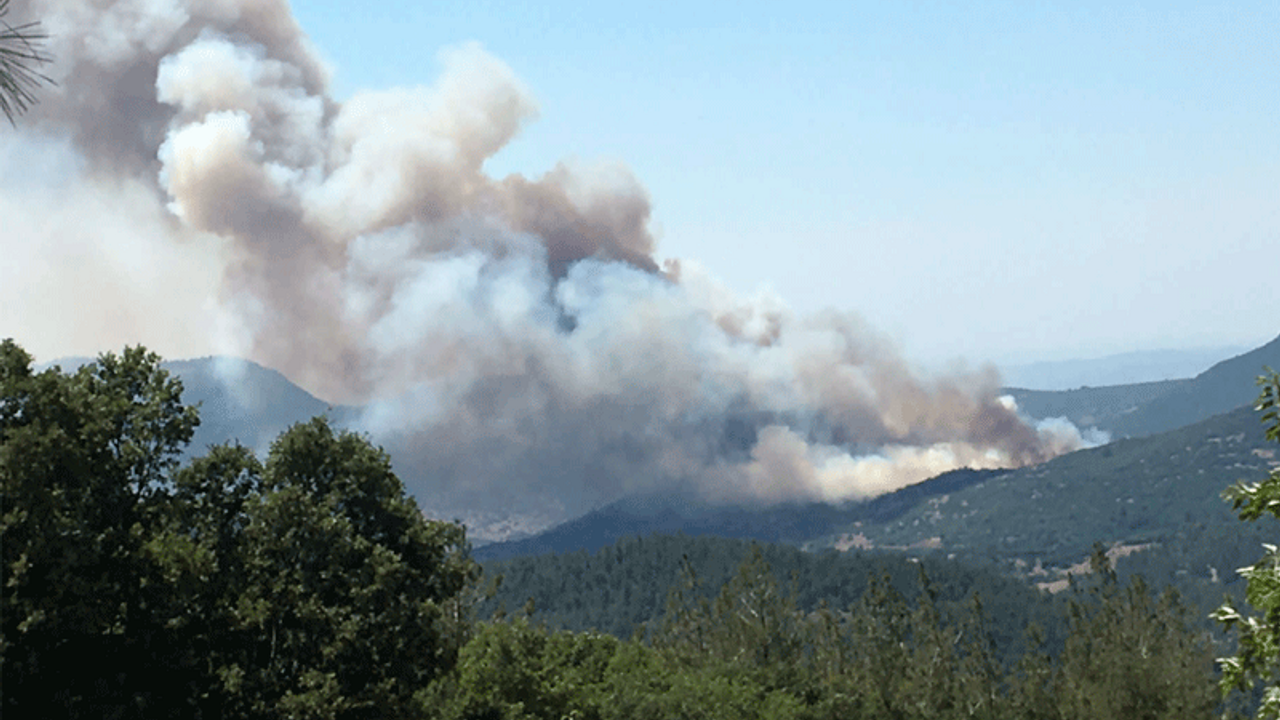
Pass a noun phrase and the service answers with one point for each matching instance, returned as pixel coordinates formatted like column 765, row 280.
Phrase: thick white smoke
column 513, row 340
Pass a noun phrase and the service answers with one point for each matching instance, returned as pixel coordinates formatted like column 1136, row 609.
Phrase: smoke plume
column 513, row 341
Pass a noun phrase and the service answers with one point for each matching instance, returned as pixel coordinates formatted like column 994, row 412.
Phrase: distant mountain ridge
column 243, row 401
column 1130, row 368
column 239, row 400
column 1146, row 408
column 1227, row 385
column 786, row 523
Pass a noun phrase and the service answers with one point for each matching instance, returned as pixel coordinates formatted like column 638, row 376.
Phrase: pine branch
column 20, row 55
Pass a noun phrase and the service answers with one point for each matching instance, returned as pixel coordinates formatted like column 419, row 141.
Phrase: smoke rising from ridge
column 513, row 340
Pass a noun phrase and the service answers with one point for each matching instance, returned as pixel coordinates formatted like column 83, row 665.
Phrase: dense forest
column 625, row 587
column 308, row 585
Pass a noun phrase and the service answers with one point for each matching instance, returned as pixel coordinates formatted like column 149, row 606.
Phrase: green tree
column 82, row 459
column 308, row 585
column 20, row 54
column 348, row 603
column 1258, row 656
column 1132, row 655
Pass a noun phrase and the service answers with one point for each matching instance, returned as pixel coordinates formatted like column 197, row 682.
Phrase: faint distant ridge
column 1223, row 387
column 1099, row 407
column 1140, row 409
column 1142, row 366
column 243, row 401
column 239, row 400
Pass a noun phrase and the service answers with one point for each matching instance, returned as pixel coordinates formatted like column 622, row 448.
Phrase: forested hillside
column 624, row 585
column 1092, row 407
column 1135, row 491
column 791, row 523
column 752, row 650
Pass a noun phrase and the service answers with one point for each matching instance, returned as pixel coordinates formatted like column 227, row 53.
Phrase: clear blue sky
column 1009, row 181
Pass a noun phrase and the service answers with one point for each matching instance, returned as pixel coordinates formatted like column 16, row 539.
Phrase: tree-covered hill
column 1138, row 490
column 1225, row 386
column 1097, row 407
column 786, row 523
column 627, row 583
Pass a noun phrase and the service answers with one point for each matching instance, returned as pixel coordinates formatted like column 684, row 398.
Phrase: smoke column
column 513, row 341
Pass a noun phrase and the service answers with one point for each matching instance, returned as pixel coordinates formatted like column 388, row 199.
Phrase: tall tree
column 308, row 585
column 347, row 600
column 83, row 460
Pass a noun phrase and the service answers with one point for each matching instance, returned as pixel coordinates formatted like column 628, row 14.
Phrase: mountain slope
column 1227, row 385
column 1130, row 368
column 1100, row 407
column 788, row 523
column 243, row 401
column 1146, row 408
column 1131, row 491
column 239, row 400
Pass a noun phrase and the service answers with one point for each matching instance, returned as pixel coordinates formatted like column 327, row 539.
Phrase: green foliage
column 748, row 650
column 516, row 670
column 625, row 584
column 1132, row 655
column 305, row 586
column 1258, row 656
column 750, row 629
column 83, row 464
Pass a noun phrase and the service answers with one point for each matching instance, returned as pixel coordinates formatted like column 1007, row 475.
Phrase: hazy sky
column 1011, row 181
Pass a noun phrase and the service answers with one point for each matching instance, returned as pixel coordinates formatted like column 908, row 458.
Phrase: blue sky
column 994, row 181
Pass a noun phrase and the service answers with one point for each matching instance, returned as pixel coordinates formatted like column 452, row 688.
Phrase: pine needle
column 20, row 54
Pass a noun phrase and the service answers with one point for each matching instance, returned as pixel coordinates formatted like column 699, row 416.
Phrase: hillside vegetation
column 1132, row 491
column 791, row 523
column 625, row 585
column 1096, row 407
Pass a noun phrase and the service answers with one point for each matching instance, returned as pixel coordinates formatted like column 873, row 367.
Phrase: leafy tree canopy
column 307, row 585
column 1258, row 657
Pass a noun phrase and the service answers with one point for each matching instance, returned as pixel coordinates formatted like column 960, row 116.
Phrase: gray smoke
column 514, row 340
